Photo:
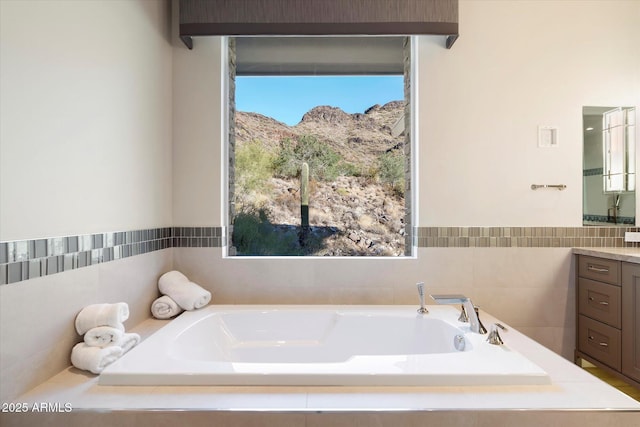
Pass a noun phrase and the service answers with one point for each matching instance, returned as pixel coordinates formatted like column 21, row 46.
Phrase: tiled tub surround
column 529, row 287
column 37, row 315
column 28, row 259
column 575, row 398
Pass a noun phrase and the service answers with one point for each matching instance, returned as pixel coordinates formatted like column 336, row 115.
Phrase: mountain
column 358, row 137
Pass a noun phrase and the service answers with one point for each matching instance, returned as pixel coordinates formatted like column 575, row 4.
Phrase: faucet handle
column 481, row 328
column 464, row 317
column 494, row 336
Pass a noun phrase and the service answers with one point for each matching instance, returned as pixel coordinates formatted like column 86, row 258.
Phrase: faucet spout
column 474, row 321
column 469, row 308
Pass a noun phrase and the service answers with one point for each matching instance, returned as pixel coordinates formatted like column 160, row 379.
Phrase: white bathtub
column 320, row 345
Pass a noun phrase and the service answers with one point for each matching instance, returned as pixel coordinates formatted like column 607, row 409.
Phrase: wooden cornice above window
column 318, row 17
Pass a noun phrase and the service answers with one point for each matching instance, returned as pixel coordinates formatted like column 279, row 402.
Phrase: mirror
column 609, row 166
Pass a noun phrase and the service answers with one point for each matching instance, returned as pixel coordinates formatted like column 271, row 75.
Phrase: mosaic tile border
column 592, row 172
column 198, row 237
column 523, row 237
column 28, row 259
column 629, row 221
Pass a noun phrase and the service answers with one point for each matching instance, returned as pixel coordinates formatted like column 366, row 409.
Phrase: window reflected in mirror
column 609, row 166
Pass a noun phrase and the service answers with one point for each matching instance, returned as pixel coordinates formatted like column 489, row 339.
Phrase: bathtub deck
column 571, row 388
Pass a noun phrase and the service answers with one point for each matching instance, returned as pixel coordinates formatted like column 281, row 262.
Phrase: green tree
column 324, row 163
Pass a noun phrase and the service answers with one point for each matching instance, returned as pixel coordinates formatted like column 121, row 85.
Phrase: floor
column 615, row 382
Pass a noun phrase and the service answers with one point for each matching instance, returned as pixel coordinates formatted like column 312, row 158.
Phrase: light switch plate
column 547, row 136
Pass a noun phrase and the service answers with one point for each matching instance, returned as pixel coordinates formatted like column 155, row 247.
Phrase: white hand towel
column 165, row 308
column 128, row 341
column 102, row 315
column 102, row 336
column 94, row 359
column 186, row 294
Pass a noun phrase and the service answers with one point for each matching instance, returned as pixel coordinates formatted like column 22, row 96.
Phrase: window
column 619, row 149
column 319, row 147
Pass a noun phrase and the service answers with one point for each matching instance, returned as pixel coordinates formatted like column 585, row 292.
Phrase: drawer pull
column 601, row 344
column 597, row 269
column 599, row 302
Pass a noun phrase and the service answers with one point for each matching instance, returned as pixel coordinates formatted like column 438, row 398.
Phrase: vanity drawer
column 600, row 301
column 603, row 270
column 600, row 341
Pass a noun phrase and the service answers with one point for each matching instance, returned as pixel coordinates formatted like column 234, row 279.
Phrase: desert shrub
column 357, row 170
column 349, row 169
column 254, row 165
column 391, row 170
column 324, row 162
column 253, row 234
column 247, row 228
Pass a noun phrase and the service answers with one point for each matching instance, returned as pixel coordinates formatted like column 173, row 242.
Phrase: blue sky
column 287, row 98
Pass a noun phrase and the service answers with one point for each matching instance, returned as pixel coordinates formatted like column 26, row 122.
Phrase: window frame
column 227, row 138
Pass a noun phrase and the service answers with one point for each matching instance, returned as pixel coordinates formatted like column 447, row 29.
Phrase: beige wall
column 86, row 117
column 518, row 65
column 197, row 133
column 85, row 147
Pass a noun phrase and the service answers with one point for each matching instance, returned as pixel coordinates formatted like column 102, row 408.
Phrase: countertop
column 618, row 254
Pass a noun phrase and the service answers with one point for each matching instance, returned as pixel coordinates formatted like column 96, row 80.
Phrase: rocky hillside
column 352, row 215
column 358, row 137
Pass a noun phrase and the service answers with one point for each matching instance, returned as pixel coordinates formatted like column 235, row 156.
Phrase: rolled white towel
column 102, row 315
column 128, row 341
column 94, row 359
column 165, row 308
column 186, row 294
column 171, row 278
column 102, row 336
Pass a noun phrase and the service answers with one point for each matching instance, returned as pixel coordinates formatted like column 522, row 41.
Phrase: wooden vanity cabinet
column 608, row 315
column 631, row 320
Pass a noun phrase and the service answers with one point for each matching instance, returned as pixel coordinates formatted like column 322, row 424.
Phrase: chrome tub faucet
column 468, row 310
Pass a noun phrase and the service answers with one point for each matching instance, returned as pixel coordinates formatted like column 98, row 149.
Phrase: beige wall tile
column 522, row 267
column 37, row 316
